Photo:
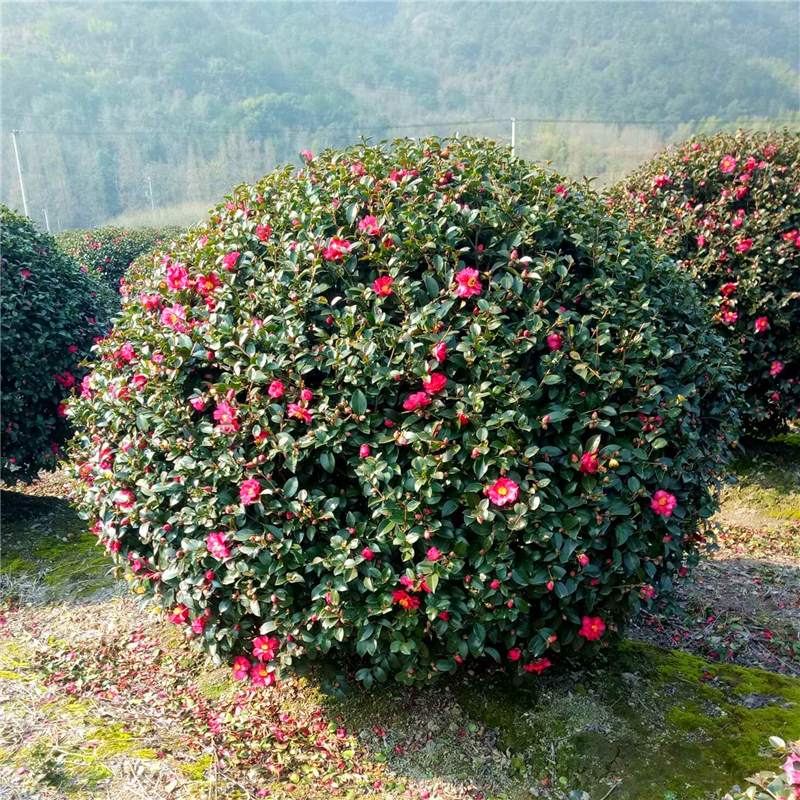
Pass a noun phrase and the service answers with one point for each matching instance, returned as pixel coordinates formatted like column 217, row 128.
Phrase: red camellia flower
column 776, row 368
column 370, row 226
column 263, row 232
column 762, row 323
column 433, row 554
column 554, row 342
column 514, row 654
column 179, row 615
column 197, row 403
column 589, row 463
column 468, row 282
column 440, row 352
column 249, row 491
column 502, row 491
column 150, row 301
column 336, row 250
column 206, row 284
column 434, row 383
column 663, row 503
column 383, row 286
column 727, row 289
column 62, row 409
column 229, row 262
column 405, row 600
column 367, row 554
column 583, row 559
column 241, row 668
column 262, row 675
column 217, row 545
column 275, row 389
column 592, row 628
column 298, row 412
column 744, row 245
column 364, row 450
column 728, row 164
column 265, row 649
column 418, row 400
column 225, row 415
column 538, row 666
column 177, row 278
column 174, row 317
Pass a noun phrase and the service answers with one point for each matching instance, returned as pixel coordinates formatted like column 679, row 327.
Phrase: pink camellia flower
column 663, row 503
column 538, row 666
column 728, row 289
column 126, row 352
column 177, row 278
column 383, row 286
column 364, row 451
column 336, row 250
column 433, row 554
column 701, row 241
column 125, row 498
column 197, row 403
column 791, row 768
column 434, row 383
column 298, row 412
column 589, row 463
column 514, row 654
column 265, row 649
column 744, row 245
column 762, row 323
column 229, row 262
column 179, row 615
column 174, row 317
column 207, row 284
column 554, row 342
column 138, row 382
column 263, row 232
column 730, row 316
column 367, row 554
column 370, row 226
column 502, row 491
column 358, row 169
column 307, row 155
column 774, row 397
column 62, row 409
column 776, row 368
column 583, row 559
column 225, row 415
column 241, row 668
column 561, row 190
column 417, row 400
column 86, row 386
column 468, row 282
column 440, row 351
column 276, row 389
column 67, row 380
column 217, row 545
column 262, row 675
column 199, row 624
column 592, row 628
column 306, row 395
column 728, row 164
column 249, row 491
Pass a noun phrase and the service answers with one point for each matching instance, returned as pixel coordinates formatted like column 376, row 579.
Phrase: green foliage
column 412, row 403
column 51, row 314
column 727, row 207
column 110, row 251
column 767, row 785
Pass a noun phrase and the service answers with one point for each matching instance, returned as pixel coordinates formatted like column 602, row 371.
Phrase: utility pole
column 150, row 194
column 513, row 134
column 46, row 220
column 19, row 172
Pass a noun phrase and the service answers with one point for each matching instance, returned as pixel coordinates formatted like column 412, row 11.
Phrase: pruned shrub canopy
column 417, row 404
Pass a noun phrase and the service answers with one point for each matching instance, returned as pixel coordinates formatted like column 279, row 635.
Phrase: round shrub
column 111, row 250
column 728, row 207
column 51, row 314
column 416, row 404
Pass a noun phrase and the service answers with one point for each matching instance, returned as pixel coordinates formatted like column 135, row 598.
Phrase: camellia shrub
column 728, row 207
column 416, row 404
column 111, row 250
column 51, row 315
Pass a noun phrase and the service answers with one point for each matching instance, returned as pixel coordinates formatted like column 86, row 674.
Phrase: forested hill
column 196, row 96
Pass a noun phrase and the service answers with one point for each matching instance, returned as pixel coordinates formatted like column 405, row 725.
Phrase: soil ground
column 99, row 699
